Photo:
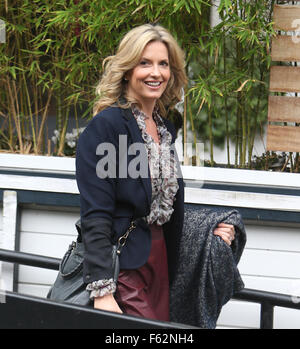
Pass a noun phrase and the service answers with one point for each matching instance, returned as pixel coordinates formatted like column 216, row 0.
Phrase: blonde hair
column 113, row 85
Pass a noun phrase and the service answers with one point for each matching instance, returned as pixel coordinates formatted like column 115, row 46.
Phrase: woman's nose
column 155, row 70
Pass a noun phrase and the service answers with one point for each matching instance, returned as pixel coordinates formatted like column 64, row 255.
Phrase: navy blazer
column 108, row 205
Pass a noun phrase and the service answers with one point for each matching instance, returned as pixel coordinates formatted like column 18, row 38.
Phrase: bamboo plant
column 52, row 57
column 52, row 60
column 231, row 83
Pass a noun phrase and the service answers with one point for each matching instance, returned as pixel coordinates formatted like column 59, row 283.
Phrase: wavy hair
column 112, row 85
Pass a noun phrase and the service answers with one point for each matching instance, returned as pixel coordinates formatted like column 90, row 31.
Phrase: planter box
column 41, row 204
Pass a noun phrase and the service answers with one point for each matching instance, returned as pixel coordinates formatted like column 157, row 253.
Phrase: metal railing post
column 266, row 315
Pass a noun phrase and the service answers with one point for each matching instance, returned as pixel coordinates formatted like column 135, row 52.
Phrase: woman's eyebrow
column 149, row 59
column 145, row 59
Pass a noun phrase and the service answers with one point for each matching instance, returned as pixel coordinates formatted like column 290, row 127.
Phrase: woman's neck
column 148, row 108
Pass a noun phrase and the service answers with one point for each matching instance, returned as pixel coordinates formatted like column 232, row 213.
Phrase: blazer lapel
column 136, row 137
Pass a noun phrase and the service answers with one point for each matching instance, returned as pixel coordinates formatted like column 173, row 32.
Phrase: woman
column 139, row 85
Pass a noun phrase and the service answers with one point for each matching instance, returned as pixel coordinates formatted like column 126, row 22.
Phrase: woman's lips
column 153, row 84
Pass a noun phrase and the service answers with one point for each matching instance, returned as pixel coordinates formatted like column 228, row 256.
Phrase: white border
column 242, row 199
column 36, row 163
column 45, row 184
column 192, row 195
column 65, row 165
column 241, row 177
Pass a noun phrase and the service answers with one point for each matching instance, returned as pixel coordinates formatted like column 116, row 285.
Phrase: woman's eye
column 163, row 63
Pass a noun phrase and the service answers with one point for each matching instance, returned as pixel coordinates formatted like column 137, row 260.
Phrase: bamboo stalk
column 192, row 125
column 225, row 102
column 10, row 130
column 253, row 132
column 48, row 147
column 33, row 130
column 185, row 156
column 238, row 122
column 36, row 105
column 44, row 117
column 17, row 62
column 63, row 135
column 210, row 124
column 211, row 139
column 236, row 154
column 244, row 135
column 15, row 115
column 249, row 110
column 240, row 126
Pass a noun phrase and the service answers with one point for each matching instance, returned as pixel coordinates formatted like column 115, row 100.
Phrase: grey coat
column 207, row 274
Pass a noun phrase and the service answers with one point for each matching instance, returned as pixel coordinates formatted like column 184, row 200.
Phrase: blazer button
column 88, row 276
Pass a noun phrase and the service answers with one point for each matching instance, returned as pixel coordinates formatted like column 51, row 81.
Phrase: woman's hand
column 226, row 232
column 108, row 303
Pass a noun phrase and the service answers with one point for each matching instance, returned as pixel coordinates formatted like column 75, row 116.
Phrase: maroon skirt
column 145, row 291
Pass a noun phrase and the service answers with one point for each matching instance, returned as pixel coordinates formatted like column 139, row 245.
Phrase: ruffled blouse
column 163, row 168
column 164, row 173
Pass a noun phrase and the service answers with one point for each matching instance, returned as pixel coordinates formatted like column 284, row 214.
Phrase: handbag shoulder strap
column 78, row 228
column 122, row 239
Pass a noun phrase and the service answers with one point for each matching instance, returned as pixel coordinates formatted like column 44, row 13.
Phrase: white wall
column 47, row 233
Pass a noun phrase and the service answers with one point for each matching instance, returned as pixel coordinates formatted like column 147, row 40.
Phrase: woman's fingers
column 228, row 228
column 223, row 235
column 225, row 225
column 226, row 232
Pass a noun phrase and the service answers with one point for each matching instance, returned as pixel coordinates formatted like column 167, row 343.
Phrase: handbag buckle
column 122, row 239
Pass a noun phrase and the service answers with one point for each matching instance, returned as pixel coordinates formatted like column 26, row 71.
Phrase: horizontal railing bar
column 252, row 295
column 276, row 299
column 29, row 259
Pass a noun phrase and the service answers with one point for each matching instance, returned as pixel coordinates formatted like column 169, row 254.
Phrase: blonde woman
column 126, row 169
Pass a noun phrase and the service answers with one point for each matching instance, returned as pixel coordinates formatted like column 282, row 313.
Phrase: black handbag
column 69, row 286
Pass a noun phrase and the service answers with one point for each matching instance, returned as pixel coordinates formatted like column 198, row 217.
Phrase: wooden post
column 283, row 133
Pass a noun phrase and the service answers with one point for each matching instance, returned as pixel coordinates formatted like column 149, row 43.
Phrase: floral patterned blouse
column 164, row 173
column 163, row 168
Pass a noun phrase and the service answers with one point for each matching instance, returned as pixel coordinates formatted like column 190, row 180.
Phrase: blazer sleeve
column 97, row 197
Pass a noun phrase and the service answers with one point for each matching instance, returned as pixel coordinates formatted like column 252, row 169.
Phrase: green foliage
column 229, row 79
column 52, row 60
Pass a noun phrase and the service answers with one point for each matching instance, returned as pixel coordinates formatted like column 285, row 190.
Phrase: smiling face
column 149, row 79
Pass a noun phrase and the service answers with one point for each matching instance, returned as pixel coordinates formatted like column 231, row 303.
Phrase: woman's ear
column 127, row 75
